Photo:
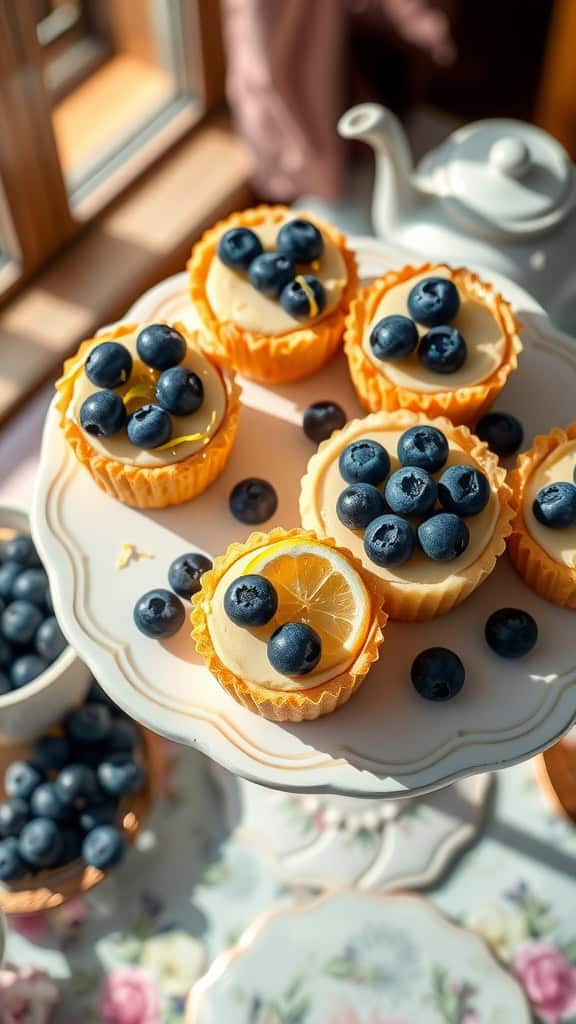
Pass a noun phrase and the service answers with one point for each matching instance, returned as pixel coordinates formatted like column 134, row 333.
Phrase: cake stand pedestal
column 386, row 744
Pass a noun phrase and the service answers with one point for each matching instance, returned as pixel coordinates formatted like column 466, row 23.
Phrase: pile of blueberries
column 275, row 273
column 178, row 390
column 30, row 637
column 433, row 302
column 160, row 613
column 410, row 494
column 63, row 803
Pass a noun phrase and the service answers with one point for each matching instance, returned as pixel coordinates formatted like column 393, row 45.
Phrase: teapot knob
column 510, row 156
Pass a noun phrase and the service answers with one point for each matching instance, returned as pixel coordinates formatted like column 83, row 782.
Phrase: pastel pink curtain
column 287, row 79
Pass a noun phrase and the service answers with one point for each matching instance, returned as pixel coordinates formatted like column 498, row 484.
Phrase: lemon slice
column 315, row 584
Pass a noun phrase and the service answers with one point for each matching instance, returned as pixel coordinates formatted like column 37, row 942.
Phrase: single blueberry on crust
column 294, row 649
column 304, row 297
column 238, row 247
column 364, row 462
column 358, row 505
column 393, row 338
column 102, row 414
column 160, row 346
column 442, row 350
column 423, row 446
column 554, row 506
column 389, row 540
column 186, row 571
column 434, row 301
column 411, row 491
column 108, row 365
column 180, row 391
column 300, row 240
column 149, row 427
column 270, row 273
column 443, row 537
column 463, row 490
column 250, row 601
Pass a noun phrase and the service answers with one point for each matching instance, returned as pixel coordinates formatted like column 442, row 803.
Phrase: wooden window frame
column 37, row 217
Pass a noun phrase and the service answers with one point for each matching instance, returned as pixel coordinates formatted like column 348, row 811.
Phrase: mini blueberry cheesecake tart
column 423, row 504
column 288, row 624
column 433, row 340
column 272, row 289
column 543, row 541
column 151, row 417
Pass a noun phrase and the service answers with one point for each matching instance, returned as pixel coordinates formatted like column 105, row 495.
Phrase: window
column 93, row 91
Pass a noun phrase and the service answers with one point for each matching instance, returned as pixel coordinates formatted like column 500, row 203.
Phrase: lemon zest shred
column 183, row 438
column 309, row 295
column 130, row 553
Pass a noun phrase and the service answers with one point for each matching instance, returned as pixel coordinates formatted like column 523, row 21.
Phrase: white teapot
column 499, row 193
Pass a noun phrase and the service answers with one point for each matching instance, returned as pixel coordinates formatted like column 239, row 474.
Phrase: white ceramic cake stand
column 386, row 743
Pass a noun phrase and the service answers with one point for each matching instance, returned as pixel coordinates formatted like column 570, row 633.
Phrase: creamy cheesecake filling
column 484, row 338
column 419, row 569
column 205, row 421
column 243, row 651
column 232, row 297
column 559, row 545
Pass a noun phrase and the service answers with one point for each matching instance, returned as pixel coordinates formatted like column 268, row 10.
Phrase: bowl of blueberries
column 41, row 678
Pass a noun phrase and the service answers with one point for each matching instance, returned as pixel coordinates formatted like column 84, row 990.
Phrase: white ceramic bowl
column 29, row 711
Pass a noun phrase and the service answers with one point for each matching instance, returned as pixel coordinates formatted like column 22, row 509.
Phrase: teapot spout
column 394, row 192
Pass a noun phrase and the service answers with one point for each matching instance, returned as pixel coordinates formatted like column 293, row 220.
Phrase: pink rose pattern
column 130, row 995
column 548, row 980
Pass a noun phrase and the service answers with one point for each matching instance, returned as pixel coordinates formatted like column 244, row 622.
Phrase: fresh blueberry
column 5, row 686
column 321, row 419
column 6, row 653
column 411, row 491
column 48, row 603
column 14, row 814
column 511, row 632
column 21, row 779
column 40, row 843
column 442, row 350
column 238, row 247
column 120, row 774
column 11, row 864
column 19, row 622
column 300, row 240
column 437, row 674
column 160, row 346
column 425, row 447
column 433, row 301
column 104, row 813
column 149, row 426
column 20, row 549
column 88, row 724
column 358, row 505
column 109, row 365
column 389, row 540
column 26, row 668
column 31, row 585
column 501, row 431
column 50, row 640
column 186, row 571
column 294, row 649
column 250, row 600
column 45, row 803
column 102, row 414
column 77, row 785
column 393, row 338
column 364, row 462
column 463, row 490
column 554, row 506
column 122, row 736
column 103, row 847
column 179, row 391
column 303, row 298
column 443, row 537
column 270, row 272
column 51, row 753
column 253, row 501
column 71, row 845
column 159, row 614
column 9, row 573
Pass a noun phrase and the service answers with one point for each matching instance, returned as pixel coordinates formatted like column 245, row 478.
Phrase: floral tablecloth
column 128, row 952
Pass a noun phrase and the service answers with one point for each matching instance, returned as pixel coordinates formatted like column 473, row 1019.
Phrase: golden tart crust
column 460, row 404
column 411, row 600
column 144, row 486
column 284, row 705
column 271, row 359
column 552, row 579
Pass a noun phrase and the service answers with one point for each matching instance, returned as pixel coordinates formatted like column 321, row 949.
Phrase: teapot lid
column 506, row 177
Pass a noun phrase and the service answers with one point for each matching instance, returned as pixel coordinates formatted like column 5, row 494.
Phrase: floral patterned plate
column 351, row 958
